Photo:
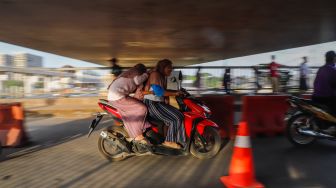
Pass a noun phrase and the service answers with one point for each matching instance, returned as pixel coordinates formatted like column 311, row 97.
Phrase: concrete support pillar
column 47, row 84
column 28, row 85
column 1, row 87
column 3, row 77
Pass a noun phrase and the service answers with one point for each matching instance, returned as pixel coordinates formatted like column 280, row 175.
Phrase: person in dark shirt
column 325, row 83
column 197, row 82
column 227, row 80
column 116, row 69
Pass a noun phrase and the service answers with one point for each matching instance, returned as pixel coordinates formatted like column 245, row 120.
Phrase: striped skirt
column 171, row 116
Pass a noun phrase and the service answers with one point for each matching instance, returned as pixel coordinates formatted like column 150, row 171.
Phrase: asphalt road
column 62, row 156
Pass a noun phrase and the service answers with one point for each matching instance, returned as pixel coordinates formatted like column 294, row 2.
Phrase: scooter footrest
column 161, row 150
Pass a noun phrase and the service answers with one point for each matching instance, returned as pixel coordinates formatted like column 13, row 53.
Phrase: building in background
column 5, row 60
column 87, row 80
column 82, row 80
column 17, row 79
column 27, row 60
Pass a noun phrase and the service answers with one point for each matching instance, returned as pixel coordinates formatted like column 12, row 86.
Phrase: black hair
column 330, row 57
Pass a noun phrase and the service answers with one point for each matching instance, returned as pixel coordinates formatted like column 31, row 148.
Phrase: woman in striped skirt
column 159, row 108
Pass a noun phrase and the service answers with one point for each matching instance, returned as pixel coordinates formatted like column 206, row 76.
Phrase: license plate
column 103, row 134
column 94, row 123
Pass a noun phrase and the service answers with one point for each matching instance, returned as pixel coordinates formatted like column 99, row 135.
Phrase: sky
column 49, row 60
column 289, row 57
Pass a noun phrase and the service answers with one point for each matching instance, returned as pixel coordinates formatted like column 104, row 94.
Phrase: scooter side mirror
column 173, row 79
column 180, row 76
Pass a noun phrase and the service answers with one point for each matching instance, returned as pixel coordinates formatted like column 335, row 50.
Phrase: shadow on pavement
column 43, row 137
column 79, row 164
column 280, row 164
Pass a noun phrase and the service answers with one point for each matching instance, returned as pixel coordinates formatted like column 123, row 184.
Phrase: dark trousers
column 227, row 87
column 303, row 84
column 330, row 102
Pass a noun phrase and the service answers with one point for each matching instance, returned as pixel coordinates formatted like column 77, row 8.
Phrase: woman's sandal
column 142, row 147
column 143, row 141
column 172, row 145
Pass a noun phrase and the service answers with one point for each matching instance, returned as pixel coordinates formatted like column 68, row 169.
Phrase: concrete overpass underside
column 185, row 31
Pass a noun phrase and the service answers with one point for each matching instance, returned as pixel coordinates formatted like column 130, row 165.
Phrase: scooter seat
column 115, row 114
column 318, row 105
column 324, row 107
column 105, row 102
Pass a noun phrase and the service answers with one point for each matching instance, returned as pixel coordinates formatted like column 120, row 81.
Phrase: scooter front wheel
column 207, row 145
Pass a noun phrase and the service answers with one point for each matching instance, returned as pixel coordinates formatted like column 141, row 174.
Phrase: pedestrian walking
column 227, row 81
column 304, row 72
column 115, row 68
column 274, row 73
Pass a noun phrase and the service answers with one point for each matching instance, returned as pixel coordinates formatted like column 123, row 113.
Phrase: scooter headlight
column 206, row 109
column 207, row 112
column 207, row 115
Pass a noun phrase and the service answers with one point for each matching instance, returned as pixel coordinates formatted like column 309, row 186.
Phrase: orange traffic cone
column 12, row 132
column 241, row 172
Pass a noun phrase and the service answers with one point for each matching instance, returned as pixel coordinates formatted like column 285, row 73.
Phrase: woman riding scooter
column 159, row 108
column 132, row 110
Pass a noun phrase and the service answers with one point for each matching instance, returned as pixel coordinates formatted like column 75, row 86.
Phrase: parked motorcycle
column 203, row 138
column 308, row 121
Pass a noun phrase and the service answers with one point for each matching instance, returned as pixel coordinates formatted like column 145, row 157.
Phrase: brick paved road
column 62, row 156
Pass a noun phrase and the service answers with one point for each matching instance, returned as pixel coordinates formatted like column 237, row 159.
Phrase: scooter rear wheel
column 110, row 152
column 293, row 135
column 210, row 148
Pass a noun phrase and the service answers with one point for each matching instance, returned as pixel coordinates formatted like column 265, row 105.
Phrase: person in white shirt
column 133, row 112
column 304, row 73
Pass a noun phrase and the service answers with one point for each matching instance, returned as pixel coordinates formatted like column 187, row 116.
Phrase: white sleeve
column 121, row 90
column 305, row 70
column 140, row 79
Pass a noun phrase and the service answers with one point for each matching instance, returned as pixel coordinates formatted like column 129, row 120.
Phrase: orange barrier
column 265, row 114
column 222, row 108
column 12, row 131
column 241, row 172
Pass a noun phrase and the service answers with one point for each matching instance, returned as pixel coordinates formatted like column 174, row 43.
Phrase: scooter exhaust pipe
column 314, row 133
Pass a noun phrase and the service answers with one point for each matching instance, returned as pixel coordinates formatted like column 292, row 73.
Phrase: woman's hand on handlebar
column 147, row 92
column 179, row 93
column 185, row 92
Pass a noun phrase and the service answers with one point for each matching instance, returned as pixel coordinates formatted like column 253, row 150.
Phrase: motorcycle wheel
column 212, row 147
column 292, row 130
column 110, row 152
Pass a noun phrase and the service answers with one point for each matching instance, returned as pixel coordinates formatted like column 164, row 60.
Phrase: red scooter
column 203, row 138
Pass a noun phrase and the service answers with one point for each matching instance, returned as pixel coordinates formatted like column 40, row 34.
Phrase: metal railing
column 64, row 82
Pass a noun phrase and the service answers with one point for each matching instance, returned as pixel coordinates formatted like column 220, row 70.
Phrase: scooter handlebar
column 185, row 92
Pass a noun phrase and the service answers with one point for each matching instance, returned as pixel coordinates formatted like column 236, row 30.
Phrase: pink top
column 122, row 87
